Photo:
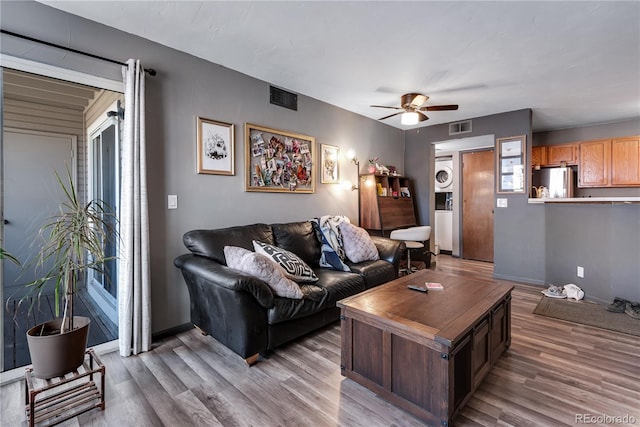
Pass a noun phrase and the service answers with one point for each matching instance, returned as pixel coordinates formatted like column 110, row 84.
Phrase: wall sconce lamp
column 346, row 184
column 351, row 155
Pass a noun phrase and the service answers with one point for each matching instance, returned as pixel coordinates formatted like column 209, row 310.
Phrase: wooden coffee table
column 425, row 353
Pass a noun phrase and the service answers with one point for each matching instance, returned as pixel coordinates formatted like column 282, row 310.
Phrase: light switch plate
column 502, row 202
column 172, row 201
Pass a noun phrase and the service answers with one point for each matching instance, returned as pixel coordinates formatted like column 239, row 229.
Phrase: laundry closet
column 444, row 178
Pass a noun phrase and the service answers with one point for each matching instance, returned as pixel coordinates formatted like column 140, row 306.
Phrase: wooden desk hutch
column 394, row 208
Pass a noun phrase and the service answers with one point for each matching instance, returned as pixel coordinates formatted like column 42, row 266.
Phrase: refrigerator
column 558, row 181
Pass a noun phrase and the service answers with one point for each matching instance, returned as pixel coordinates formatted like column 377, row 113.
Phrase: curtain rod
column 151, row 71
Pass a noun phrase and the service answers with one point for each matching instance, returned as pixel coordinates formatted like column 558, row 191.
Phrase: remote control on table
column 418, row 288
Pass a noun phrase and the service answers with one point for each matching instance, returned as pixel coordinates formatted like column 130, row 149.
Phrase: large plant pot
column 54, row 355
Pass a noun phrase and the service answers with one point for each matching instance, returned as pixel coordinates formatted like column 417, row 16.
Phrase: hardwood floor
column 554, row 372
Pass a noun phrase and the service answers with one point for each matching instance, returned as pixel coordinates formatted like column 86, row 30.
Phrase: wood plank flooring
column 554, row 372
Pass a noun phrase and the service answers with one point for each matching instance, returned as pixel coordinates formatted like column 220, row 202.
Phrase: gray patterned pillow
column 294, row 268
column 263, row 268
column 357, row 244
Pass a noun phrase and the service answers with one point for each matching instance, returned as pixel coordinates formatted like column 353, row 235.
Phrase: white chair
column 413, row 238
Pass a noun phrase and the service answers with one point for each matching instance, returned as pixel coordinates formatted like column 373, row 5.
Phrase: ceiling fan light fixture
column 409, row 118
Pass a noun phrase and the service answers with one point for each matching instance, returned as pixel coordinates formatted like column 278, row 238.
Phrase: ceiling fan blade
column 422, row 117
column 385, row 106
column 442, row 107
column 391, row 115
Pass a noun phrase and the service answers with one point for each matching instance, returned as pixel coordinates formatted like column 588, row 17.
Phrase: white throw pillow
column 294, row 267
column 358, row 245
column 263, row 268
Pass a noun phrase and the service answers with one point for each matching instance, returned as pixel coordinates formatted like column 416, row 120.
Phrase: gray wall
column 543, row 244
column 605, row 241
column 184, row 88
column 513, row 242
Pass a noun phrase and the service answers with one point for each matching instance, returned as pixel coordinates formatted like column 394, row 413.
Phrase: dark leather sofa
column 241, row 311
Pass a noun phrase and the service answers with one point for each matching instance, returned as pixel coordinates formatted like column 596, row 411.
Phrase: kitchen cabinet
column 593, row 167
column 386, row 203
column 538, row 156
column 610, row 163
column 625, row 161
column 556, row 154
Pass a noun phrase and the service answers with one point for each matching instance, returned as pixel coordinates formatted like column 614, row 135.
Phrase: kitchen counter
column 612, row 200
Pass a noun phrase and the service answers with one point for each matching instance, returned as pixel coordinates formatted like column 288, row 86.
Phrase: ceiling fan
column 412, row 109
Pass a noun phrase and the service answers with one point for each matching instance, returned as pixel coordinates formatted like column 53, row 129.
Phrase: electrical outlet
column 580, row 272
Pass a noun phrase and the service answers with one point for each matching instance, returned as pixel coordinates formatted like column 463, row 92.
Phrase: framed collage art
column 278, row 161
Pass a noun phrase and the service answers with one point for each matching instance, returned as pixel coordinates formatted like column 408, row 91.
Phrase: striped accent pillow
column 294, row 267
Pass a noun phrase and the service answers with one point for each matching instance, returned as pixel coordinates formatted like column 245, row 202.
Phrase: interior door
column 31, row 195
column 477, row 204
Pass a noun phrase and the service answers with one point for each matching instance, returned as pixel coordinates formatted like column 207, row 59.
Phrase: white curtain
column 134, row 296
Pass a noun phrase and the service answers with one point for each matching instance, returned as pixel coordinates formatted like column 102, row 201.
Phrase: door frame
column 106, row 301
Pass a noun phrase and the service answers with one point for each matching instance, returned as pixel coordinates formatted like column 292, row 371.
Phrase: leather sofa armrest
column 221, row 275
column 389, row 250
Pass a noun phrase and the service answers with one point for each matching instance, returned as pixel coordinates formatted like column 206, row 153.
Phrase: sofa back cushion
column 211, row 243
column 299, row 238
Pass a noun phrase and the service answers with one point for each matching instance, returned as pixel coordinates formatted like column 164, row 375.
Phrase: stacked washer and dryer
column 444, row 178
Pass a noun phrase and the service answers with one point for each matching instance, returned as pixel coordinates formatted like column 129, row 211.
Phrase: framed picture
column 215, row 147
column 278, row 161
column 511, row 161
column 329, row 159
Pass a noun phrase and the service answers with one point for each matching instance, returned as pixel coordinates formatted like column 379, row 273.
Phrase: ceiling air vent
column 460, row 127
column 283, row 98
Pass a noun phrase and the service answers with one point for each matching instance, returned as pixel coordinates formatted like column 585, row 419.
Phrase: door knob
column 6, row 221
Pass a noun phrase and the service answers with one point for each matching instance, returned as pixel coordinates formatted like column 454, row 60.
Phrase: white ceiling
column 573, row 63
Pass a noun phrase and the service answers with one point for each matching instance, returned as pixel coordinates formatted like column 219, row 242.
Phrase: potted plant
column 71, row 243
column 7, row 255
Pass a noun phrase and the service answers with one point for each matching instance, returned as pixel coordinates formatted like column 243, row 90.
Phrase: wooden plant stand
column 52, row 401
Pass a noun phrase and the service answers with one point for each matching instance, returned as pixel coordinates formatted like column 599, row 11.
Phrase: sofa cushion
column 299, row 238
column 339, row 284
column 358, row 246
column 263, row 268
column 285, row 309
column 374, row 273
column 211, row 243
column 294, row 268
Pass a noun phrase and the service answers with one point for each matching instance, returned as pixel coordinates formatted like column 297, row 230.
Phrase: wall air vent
column 460, row 127
column 283, row 98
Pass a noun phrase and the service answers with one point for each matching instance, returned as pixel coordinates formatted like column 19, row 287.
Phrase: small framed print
column 330, row 157
column 215, row 147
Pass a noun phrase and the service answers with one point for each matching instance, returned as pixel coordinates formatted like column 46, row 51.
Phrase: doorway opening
column 447, row 211
column 46, row 128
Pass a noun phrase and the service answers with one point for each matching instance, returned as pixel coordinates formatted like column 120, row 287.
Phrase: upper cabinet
column 593, row 168
column 625, row 161
column 538, row 156
column 557, row 154
column 554, row 155
column 610, row 163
